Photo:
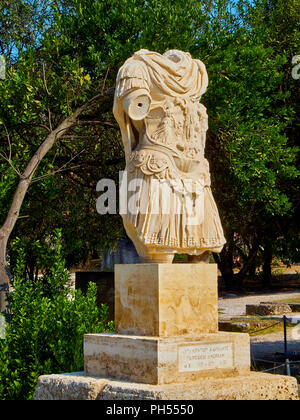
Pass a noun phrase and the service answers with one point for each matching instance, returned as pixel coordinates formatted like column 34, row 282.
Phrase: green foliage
column 22, row 24
column 106, row 32
column 61, row 53
column 249, row 122
column 48, row 321
column 75, row 51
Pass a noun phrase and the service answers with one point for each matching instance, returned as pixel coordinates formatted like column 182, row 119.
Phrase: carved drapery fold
column 164, row 144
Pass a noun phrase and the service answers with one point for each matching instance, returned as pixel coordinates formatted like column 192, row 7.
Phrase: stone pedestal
column 166, row 300
column 167, row 328
column 167, row 360
column 167, row 344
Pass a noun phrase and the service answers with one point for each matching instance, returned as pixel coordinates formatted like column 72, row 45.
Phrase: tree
column 77, row 50
column 251, row 145
column 62, row 84
column 47, row 325
column 25, row 180
column 27, row 104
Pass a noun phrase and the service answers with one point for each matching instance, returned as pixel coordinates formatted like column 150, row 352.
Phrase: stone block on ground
column 234, row 326
column 268, row 309
column 254, row 386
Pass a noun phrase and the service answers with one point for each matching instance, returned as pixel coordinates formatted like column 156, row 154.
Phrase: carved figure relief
column 163, row 129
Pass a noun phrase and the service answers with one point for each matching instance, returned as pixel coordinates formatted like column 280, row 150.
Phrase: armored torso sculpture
column 170, row 205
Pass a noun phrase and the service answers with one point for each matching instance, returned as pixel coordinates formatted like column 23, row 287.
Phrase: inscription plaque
column 205, row 356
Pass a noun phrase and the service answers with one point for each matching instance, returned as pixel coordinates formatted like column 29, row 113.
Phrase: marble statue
column 163, row 129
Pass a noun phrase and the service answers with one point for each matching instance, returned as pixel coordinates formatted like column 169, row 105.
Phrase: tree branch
column 28, row 174
column 61, row 169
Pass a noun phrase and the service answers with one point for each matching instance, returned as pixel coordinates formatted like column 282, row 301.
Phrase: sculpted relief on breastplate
column 163, row 129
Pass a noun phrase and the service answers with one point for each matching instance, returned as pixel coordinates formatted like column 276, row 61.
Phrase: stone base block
column 268, row 309
column 164, row 300
column 254, row 386
column 166, row 360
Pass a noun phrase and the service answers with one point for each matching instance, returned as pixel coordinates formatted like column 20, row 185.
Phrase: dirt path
column 265, row 346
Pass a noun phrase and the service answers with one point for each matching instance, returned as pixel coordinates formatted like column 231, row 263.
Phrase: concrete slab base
column 255, row 386
column 166, row 360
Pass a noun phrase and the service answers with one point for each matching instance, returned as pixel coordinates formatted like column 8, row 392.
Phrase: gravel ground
column 263, row 346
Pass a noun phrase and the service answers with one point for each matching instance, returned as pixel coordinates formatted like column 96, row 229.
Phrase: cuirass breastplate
column 179, row 125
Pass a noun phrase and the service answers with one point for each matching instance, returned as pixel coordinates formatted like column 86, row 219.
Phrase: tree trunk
column 225, row 265
column 252, row 270
column 267, row 269
column 4, row 276
column 228, row 275
column 23, row 186
column 248, row 265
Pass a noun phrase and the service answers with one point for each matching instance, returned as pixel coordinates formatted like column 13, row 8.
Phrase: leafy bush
column 48, row 321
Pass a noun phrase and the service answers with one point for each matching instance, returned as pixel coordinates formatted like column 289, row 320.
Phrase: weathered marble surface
column 69, row 386
column 163, row 129
column 166, row 360
column 255, row 386
column 166, row 299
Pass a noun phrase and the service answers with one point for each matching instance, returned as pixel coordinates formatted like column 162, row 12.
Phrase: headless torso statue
column 170, row 205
